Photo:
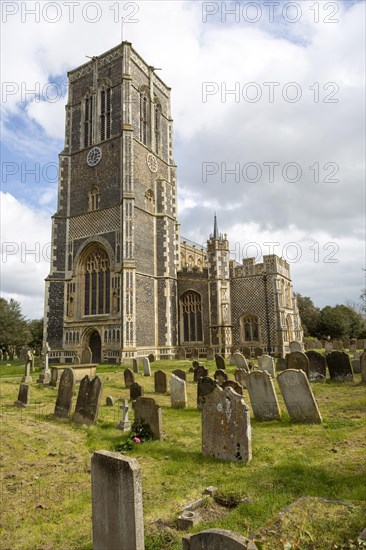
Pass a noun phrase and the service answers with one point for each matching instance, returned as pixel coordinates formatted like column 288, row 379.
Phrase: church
column 123, row 282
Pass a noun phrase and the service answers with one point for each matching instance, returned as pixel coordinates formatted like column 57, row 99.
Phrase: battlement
column 271, row 264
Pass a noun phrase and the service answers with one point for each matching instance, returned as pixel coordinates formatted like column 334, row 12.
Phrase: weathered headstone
column 178, row 393
column 280, row 364
column 226, row 430
column 109, row 401
column 263, row 396
column 28, row 364
column 124, row 424
column 317, row 365
column 205, row 386
column 238, row 388
column 258, row 351
column 180, row 373
column 220, row 376
column 146, row 366
column 116, row 502
column 240, row 361
column 129, row 377
column 339, row 366
column 240, row 376
column 295, row 346
column 356, row 366
column 151, row 357
column 353, row 346
column 23, row 396
column 195, row 353
column 65, row 394
column 181, row 354
column 298, row 396
column 210, row 355
column 232, row 361
column 220, row 362
column 86, row 356
column 298, row 360
column 246, row 352
column 217, row 539
column 266, row 363
column 88, row 401
column 136, row 391
column 199, row 372
column 363, row 367
column 328, row 346
column 135, row 366
column 160, row 382
column 149, row 412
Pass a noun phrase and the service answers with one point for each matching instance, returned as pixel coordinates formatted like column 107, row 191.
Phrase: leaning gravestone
column 317, row 365
column 23, row 396
column 298, row 396
column 220, row 362
column 217, row 539
column 129, row 377
column 298, row 360
column 238, row 388
column 240, row 376
column 136, row 391
column 266, row 363
column 356, row 366
column 199, row 372
column 149, row 412
column 226, row 431
column 86, row 356
column 135, row 366
column 258, row 351
column 339, row 366
column 88, row 401
column 65, row 394
column 181, row 354
column 220, row 376
column 246, row 352
column 295, row 346
column 178, row 393
column 263, row 396
column 146, row 366
column 109, row 401
column 180, row 373
column 363, row 367
column 117, row 512
column 240, row 361
column 205, row 386
column 160, row 381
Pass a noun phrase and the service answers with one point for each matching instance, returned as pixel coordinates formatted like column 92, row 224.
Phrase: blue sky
column 324, row 61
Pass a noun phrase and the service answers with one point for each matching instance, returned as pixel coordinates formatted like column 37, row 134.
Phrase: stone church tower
column 115, row 233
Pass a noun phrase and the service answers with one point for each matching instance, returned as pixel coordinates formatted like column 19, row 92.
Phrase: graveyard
column 302, row 485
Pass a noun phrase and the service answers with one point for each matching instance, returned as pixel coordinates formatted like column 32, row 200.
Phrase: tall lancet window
column 88, row 121
column 191, row 316
column 143, row 117
column 157, row 129
column 97, row 286
column 105, row 114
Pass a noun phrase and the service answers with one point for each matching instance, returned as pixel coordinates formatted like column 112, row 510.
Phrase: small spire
column 215, row 231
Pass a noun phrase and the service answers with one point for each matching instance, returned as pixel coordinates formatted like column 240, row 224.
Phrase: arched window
column 249, row 324
column 105, row 113
column 157, row 128
column 143, row 117
column 94, row 198
column 88, row 120
column 96, row 282
column 191, row 316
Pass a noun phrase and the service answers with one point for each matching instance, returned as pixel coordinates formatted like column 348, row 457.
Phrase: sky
column 268, row 107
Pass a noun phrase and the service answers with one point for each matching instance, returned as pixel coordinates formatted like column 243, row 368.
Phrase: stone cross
column 124, row 425
column 28, row 363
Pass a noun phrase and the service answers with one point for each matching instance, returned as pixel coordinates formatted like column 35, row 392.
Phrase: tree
column 341, row 322
column 309, row 315
column 36, row 333
column 14, row 329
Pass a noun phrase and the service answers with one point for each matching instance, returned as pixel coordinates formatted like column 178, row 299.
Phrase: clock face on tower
column 94, row 156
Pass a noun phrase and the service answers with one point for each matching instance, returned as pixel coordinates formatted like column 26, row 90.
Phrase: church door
column 95, row 345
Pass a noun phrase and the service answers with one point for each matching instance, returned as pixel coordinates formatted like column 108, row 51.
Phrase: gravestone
column 298, row 360
column 240, row 361
column 266, row 363
column 205, row 386
column 23, row 396
column 298, row 396
column 263, row 396
column 246, row 352
column 339, row 366
column 258, row 351
column 178, row 392
column 65, row 394
column 217, row 539
column 199, row 372
column 317, row 365
column 220, row 376
column 117, row 512
column 149, row 412
column 195, row 364
column 136, row 391
column 146, row 366
column 129, row 377
column 124, row 425
column 240, row 376
column 109, row 401
column 135, row 366
column 181, row 354
column 280, row 364
column 226, row 431
column 356, row 366
column 28, row 365
column 232, row 361
column 220, row 362
column 45, row 372
column 88, row 401
column 86, row 356
column 151, row 357
column 238, row 388
column 295, row 346
column 353, row 346
column 195, row 353
column 363, row 367
column 160, row 381
column 180, row 373
column 210, row 355
column 328, row 346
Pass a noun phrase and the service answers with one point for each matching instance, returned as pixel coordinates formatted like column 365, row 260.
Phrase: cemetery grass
column 45, row 470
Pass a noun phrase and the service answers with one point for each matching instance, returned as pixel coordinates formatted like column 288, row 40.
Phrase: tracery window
column 157, row 128
column 143, row 117
column 250, row 328
column 88, row 121
column 191, row 316
column 105, row 113
column 97, row 283
column 94, row 198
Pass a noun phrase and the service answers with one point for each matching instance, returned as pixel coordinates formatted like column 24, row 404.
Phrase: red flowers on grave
column 136, row 440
